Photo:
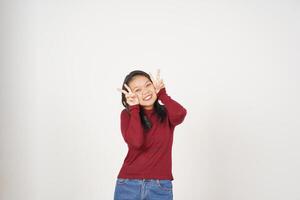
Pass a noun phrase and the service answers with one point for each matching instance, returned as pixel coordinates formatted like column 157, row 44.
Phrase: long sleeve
column 176, row 112
column 131, row 127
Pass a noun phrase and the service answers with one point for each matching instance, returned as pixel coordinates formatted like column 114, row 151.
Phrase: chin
column 148, row 103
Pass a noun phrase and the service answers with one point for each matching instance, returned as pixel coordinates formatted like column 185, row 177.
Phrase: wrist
column 134, row 107
column 161, row 92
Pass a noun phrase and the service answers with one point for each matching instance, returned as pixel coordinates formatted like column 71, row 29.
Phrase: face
column 145, row 91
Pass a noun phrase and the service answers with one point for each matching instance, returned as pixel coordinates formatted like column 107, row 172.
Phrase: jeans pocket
column 165, row 184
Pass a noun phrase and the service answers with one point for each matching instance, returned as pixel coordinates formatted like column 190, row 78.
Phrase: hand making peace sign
column 131, row 98
column 158, row 82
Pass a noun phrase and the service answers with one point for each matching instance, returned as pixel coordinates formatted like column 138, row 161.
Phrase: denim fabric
column 143, row 189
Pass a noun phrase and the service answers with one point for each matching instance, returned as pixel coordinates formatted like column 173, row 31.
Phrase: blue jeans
column 143, row 189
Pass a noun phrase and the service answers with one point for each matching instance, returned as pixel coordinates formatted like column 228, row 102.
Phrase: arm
column 176, row 112
column 131, row 127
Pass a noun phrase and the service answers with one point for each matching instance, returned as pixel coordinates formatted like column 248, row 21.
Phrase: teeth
column 148, row 97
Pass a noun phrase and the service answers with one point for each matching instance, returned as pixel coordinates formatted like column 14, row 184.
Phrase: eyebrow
column 144, row 84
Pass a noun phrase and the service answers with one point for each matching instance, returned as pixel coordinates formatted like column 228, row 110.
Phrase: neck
column 148, row 107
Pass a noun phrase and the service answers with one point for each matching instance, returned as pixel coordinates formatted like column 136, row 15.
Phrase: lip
column 147, row 97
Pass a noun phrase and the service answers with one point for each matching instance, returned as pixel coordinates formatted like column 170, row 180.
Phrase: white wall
column 234, row 65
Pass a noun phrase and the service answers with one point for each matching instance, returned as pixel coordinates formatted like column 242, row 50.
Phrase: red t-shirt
column 150, row 153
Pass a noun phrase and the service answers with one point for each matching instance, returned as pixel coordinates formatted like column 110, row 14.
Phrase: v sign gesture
column 131, row 98
column 157, row 82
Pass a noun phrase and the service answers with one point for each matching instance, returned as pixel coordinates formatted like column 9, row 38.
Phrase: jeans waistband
column 141, row 180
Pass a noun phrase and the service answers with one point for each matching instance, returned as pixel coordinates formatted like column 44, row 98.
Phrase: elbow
column 184, row 112
column 182, row 116
column 136, row 144
column 134, row 138
column 179, row 118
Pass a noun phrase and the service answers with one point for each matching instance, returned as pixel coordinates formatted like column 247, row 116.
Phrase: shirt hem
column 146, row 177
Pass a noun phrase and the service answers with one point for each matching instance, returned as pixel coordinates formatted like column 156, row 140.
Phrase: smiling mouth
column 147, row 98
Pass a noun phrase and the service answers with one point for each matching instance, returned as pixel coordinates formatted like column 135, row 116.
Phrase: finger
column 131, row 95
column 128, row 88
column 129, row 99
column 152, row 78
column 158, row 74
column 134, row 95
column 123, row 91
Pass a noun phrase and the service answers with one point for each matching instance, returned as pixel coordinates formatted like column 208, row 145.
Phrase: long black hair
column 159, row 109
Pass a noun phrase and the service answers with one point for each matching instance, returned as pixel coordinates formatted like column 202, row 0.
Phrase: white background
column 234, row 65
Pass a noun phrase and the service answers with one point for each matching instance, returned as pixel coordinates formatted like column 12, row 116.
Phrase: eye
column 137, row 90
column 148, row 84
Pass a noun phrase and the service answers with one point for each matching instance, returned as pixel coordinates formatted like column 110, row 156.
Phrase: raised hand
column 157, row 82
column 131, row 98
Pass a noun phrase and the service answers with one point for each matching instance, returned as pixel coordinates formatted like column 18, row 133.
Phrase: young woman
column 147, row 127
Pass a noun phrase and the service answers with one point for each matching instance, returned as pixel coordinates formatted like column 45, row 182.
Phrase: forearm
column 176, row 112
column 133, row 133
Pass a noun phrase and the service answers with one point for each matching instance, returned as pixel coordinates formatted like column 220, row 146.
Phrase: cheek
column 153, row 89
column 155, row 96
